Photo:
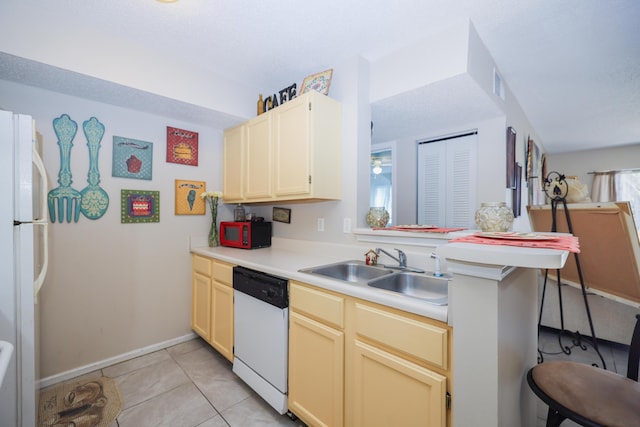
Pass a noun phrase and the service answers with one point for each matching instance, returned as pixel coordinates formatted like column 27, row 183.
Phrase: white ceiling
column 574, row 65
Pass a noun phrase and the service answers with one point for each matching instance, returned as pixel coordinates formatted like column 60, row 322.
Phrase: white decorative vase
column 494, row 216
column 377, row 217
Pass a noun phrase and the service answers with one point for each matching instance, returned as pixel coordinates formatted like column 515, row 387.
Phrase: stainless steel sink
column 429, row 288
column 349, row 271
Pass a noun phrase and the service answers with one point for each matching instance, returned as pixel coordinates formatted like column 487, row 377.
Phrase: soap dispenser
column 239, row 213
column 437, row 271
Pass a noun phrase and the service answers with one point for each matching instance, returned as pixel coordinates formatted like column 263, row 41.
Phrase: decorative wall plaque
column 139, row 206
column 188, row 200
column 182, row 146
column 132, row 158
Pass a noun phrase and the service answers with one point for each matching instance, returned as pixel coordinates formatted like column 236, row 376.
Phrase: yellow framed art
column 188, row 200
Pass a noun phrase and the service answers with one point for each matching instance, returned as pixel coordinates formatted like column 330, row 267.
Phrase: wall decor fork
column 64, row 199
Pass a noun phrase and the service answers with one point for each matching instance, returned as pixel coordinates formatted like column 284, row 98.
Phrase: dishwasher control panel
column 265, row 287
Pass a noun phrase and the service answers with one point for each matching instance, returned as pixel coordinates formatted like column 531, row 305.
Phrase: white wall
column 113, row 288
column 83, row 49
column 436, row 58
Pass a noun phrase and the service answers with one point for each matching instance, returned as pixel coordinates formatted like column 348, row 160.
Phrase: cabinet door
column 292, row 148
column 222, row 319
column 201, row 305
column 316, row 372
column 258, row 158
column 233, row 164
column 391, row 391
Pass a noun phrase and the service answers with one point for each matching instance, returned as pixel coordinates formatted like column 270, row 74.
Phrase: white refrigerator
column 23, row 264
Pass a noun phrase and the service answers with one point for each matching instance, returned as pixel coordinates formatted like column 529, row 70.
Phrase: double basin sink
column 431, row 289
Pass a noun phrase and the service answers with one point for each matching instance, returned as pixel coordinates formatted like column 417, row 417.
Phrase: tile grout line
column 198, row 388
column 158, row 395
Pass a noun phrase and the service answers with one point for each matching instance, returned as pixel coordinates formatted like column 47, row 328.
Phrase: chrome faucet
column 402, row 261
column 402, row 258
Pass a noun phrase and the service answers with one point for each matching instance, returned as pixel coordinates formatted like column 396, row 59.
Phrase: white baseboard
column 63, row 376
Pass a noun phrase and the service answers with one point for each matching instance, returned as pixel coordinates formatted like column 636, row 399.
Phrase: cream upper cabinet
column 290, row 153
column 233, row 163
column 259, row 171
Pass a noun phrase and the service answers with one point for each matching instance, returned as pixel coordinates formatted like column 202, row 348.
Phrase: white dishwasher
column 261, row 334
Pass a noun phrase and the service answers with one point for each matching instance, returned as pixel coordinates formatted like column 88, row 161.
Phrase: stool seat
column 601, row 396
column 590, row 396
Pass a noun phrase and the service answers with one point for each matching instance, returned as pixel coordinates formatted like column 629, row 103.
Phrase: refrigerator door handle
column 42, row 221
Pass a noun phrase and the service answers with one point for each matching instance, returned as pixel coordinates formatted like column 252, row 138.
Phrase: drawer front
column 319, row 305
column 223, row 272
column 419, row 339
column 201, row 265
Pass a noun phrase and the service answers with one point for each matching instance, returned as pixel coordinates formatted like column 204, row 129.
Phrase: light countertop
column 284, row 259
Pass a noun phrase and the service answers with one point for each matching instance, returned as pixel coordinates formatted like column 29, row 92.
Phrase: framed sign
column 182, row 146
column 188, row 200
column 139, row 206
column 282, row 215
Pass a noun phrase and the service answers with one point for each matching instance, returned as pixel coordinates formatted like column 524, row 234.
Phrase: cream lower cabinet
column 316, row 356
column 201, row 268
column 356, row 363
column 212, row 303
column 399, row 368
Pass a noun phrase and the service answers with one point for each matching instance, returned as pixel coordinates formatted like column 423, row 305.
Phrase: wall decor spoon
column 64, row 198
column 95, row 200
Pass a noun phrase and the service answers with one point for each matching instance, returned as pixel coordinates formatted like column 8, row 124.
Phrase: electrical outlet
column 320, row 224
column 346, row 225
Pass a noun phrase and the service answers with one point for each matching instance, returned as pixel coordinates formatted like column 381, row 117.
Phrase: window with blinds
column 447, row 181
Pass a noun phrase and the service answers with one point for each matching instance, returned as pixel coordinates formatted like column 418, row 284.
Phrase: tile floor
column 191, row 385
column 187, row 385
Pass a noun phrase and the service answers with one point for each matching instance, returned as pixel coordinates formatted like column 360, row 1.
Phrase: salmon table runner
column 526, row 240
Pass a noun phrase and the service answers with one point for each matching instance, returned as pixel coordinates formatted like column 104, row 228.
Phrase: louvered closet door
column 447, row 170
column 432, row 189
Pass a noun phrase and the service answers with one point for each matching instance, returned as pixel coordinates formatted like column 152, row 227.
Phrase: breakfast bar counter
column 493, row 307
